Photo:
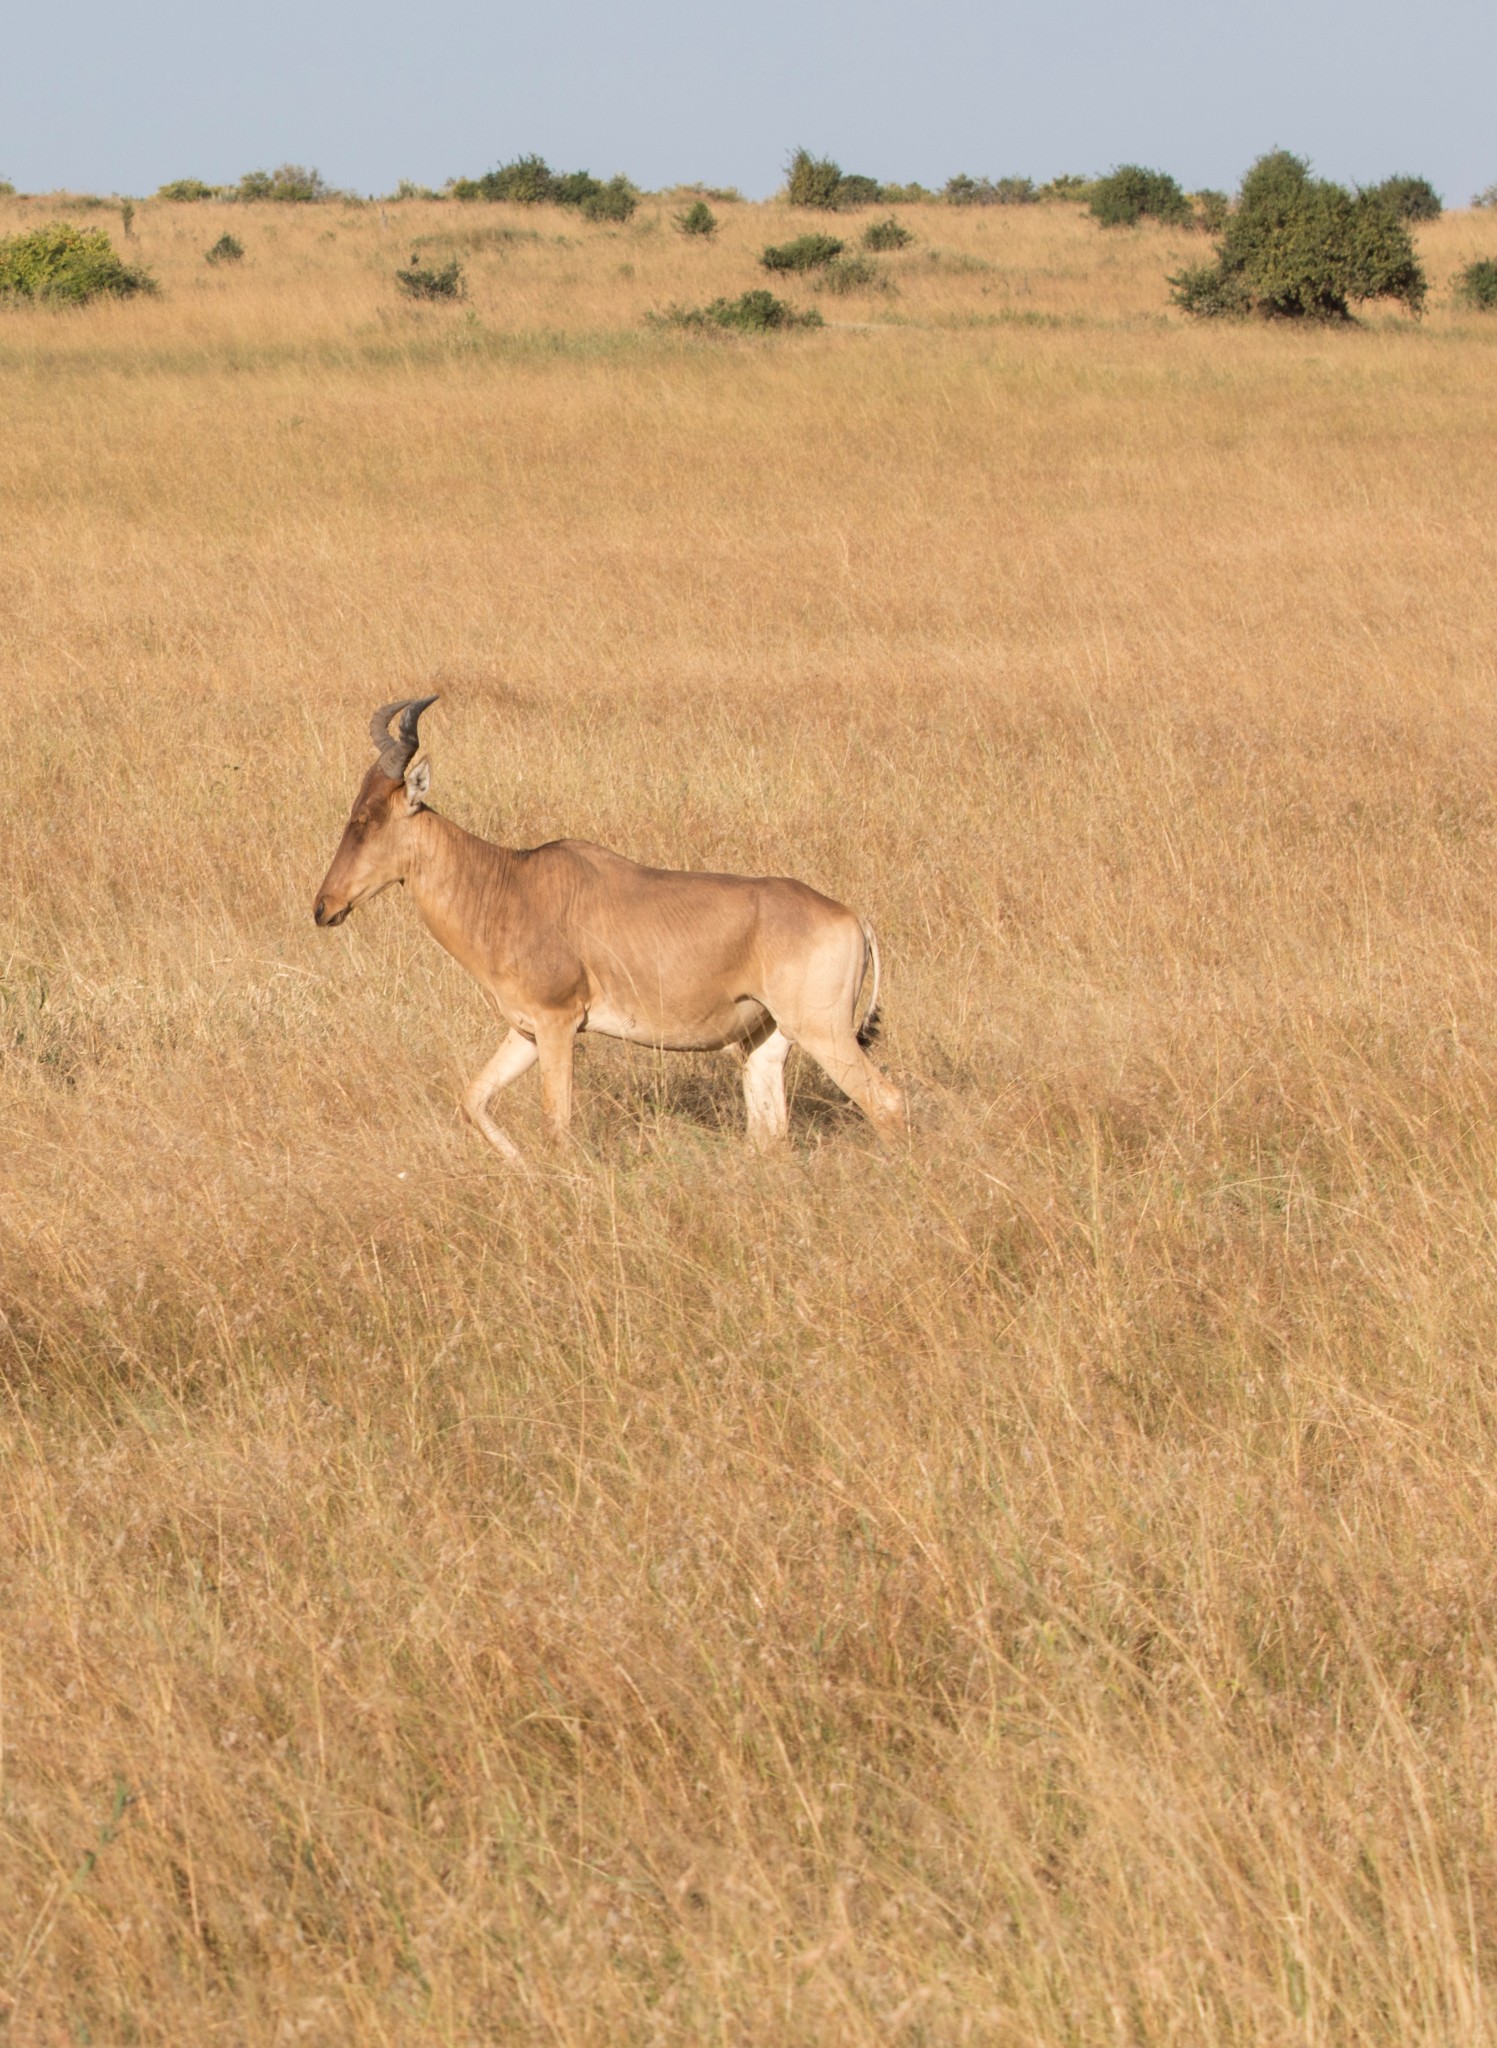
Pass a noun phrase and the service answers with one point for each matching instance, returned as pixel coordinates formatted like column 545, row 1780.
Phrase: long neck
column 461, row 886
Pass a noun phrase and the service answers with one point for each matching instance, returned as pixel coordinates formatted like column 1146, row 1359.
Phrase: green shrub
column 964, row 191
column 848, row 274
column 806, row 252
column 697, row 219
column 423, row 282
column 1067, row 186
column 1303, row 245
column 408, row 189
column 530, row 181
column 759, row 312
column 62, row 264
column 1488, row 197
column 574, row 188
column 1382, row 263
column 227, row 249
column 818, row 181
column 1409, row 198
column 854, row 190
column 186, row 189
column 1211, row 293
column 1211, row 210
column 812, row 180
column 7, row 189
column 614, row 201
column 1131, row 194
column 1476, row 285
column 292, row 184
column 1300, row 247
column 905, row 195
column 755, row 312
column 886, row 234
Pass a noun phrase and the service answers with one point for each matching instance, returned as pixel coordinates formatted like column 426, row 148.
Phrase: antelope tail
column 868, row 1029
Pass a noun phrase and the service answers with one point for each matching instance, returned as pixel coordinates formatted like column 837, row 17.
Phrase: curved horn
column 396, row 752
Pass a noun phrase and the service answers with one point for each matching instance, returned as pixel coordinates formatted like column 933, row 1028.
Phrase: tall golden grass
column 1035, row 1588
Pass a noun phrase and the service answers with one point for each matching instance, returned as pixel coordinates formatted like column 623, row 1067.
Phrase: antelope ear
column 417, row 784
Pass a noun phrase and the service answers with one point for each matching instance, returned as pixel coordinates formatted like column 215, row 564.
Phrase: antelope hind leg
column 840, row 1055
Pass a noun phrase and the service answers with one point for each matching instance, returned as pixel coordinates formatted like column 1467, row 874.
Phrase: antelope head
column 376, row 844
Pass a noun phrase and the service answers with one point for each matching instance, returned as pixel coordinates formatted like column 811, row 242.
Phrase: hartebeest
column 568, row 937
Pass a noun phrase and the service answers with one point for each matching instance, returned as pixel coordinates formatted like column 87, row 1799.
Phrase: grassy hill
column 1034, row 1587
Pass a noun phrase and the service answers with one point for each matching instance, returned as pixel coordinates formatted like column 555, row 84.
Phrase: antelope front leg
column 516, row 1056
column 556, row 1042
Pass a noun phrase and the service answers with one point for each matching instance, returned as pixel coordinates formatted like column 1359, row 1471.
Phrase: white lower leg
column 516, row 1056
column 764, row 1090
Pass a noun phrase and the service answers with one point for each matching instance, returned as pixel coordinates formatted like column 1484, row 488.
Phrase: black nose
column 317, row 910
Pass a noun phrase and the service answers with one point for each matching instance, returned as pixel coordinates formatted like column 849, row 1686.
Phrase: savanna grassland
column 1038, row 1586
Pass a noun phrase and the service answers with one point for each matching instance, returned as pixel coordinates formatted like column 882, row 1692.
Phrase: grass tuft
column 752, row 312
column 431, row 281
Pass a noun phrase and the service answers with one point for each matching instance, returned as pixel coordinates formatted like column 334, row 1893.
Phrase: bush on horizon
column 1131, row 194
column 855, row 190
column 1412, row 199
column 288, row 184
column 530, row 181
column 696, row 219
column 615, row 201
column 812, row 180
column 821, row 182
column 186, row 190
column 964, row 191
column 1298, row 247
column 1067, row 185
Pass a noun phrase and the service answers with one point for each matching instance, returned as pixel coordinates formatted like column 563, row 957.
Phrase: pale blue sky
column 109, row 97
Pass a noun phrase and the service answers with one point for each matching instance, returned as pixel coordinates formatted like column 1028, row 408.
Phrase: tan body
column 568, row 938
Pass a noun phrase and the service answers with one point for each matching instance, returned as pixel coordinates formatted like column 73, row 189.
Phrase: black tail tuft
column 869, row 1029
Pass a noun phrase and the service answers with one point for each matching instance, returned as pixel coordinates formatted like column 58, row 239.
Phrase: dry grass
column 1038, row 1588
